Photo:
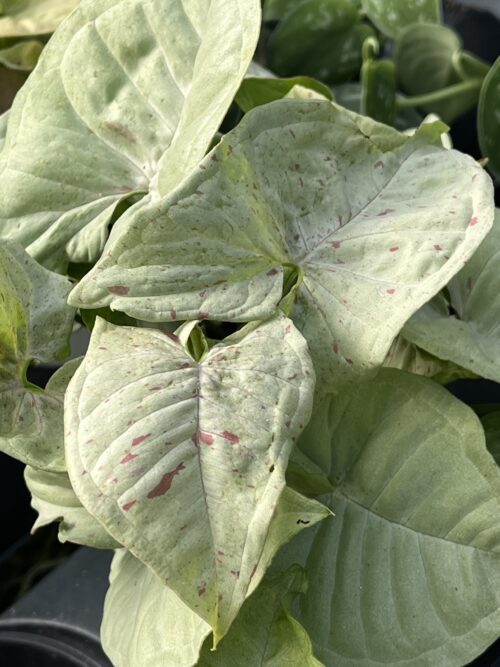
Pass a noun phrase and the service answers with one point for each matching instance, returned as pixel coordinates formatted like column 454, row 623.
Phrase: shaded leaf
column 255, row 91
column 409, row 357
column 35, row 324
column 170, row 71
column 411, row 562
column 309, row 23
column 491, row 425
column 372, row 222
column 22, row 56
column 378, row 90
column 425, row 63
column 488, row 122
column 265, row 632
column 54, row 500
column 153, row 433
column 21, row 18
column 469, row 336
column 391, row 16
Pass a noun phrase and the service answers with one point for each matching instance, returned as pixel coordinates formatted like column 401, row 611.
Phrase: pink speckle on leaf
column 349, row 361
column 165, row 482
column 128, row 506
column 128, row 458
column 378, row 165
column 173, row 314
column 339, row 261
column 474, row 178
column 272, row 272
column 473, row 221
column 394, row 248
column 335, row 348
column 288, row 329
column 437, row 247
column 390, row 291
column 120, row 290
column 202, row 315
column 336, row 244
column 156, row 388
column 206, row 438
column 140, row 439
column 385, row 212
column 185, row 365
column 230, row 437
column 201, row 590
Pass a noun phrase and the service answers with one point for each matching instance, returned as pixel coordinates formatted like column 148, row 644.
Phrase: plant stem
column 439, row 95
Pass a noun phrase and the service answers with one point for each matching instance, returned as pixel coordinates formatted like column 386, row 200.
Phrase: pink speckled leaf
column 374, row 221
column 183, row 461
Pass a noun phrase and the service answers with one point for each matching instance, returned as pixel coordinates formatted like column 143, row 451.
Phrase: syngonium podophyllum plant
column 258, row 427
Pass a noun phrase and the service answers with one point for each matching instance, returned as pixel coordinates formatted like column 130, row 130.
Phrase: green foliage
column 258, row 427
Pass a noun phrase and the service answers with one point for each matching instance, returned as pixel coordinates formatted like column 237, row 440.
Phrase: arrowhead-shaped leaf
column 35, row 323
column 411, row 563
column 164, row 629
column 159, row 77
column 54, row 500
column 376, row 223
column 469, row 337
column 154, row 434
column 22, row 18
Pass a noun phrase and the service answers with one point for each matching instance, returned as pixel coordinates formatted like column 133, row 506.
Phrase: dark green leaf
column 488, row 120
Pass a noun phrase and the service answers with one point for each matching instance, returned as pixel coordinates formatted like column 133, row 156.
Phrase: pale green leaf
column 169, row 70
column 54, row 500
column 165, row 631
column 145, row 623
column 153, row 433
column 22, row 56
column 408, row 573
column 469, row 335
column 409, row 357
column 265, row 633
column 21, row 18
column 488, row 120
column 35, row 324
column 391, row 16
column 376, row 222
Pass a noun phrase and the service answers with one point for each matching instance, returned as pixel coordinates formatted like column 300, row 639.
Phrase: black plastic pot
column 57, row 623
